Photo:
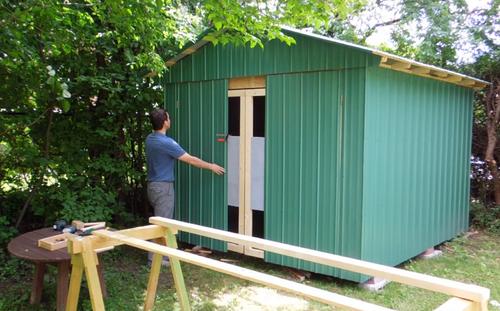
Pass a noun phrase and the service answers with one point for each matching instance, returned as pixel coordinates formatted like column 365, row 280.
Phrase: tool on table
column 59, row 225
column 77, row 227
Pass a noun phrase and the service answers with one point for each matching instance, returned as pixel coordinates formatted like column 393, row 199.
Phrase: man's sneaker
column 164, row 263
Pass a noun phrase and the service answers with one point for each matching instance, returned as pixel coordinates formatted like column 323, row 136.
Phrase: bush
column 71, row 200
column 6, row 231
column 485, row 217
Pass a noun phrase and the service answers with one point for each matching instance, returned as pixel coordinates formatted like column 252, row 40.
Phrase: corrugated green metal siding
column 416, row 164
column 308, row 54
column 314, row 155
column 198, row 112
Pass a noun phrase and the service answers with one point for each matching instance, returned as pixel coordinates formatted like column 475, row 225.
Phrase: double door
column 246, row 146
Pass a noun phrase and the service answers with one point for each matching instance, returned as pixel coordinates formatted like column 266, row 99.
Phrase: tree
column 486, row 33
column 75, row 90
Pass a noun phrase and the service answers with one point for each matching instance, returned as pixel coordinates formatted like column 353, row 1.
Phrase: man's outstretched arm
column 192, row 160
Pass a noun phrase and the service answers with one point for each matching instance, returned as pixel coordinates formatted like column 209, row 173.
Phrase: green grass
column 473, row 258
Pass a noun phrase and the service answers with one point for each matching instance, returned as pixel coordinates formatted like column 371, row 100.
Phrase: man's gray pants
column 161, row 196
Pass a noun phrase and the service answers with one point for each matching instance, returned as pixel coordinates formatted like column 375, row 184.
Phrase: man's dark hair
column 157, row 117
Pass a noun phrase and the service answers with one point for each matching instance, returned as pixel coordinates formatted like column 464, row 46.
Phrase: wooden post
column 90, row 263
column 175, row 265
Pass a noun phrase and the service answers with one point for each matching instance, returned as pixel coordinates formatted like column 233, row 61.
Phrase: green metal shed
column 327, row 145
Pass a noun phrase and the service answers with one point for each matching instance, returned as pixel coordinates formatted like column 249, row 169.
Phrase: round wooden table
column 26, row 247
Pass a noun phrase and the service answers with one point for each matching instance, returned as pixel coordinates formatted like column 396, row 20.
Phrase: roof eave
column 387, row 60
column 409, row 66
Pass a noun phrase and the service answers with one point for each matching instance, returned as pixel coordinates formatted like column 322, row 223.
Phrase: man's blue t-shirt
column 161, row 153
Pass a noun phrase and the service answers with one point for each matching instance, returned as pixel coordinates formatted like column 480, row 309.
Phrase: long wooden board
column 247, row 274
column 449, row 287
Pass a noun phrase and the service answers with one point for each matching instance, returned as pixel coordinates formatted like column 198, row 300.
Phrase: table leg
column 62, row 284
column 37, row 287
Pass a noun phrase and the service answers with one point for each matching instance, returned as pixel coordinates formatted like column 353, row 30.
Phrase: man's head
column 160, row 119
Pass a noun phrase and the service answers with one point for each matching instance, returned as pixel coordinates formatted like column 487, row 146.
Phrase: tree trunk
column 492, row 103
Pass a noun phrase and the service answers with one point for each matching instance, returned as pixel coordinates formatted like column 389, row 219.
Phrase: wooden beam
column 189, row 50
column 396, row 63
column 249, row 95
column 421, row 70
column 256, row 82
column 145, row 232
column 467, row 82
column 247, row 274
column 454, row 78
column 401, row 65
column 388, row 61
column 246, row 139
column 452, row 288
column 439, row 73
column 457, row 304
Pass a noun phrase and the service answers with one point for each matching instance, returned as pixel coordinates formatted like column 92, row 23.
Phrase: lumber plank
column 421, row 70
column 247, row 83
column 449, row 287
column 148, row 232
column 247, row 163
column 401, row 65
column 247, row 274
column 458, row 304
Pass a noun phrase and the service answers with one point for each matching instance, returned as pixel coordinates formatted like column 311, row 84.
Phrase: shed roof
column 387, row 60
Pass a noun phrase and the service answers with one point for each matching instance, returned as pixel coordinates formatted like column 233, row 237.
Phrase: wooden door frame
column 245, row 218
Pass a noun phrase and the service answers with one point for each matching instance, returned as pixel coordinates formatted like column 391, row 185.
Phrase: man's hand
column 217, row 169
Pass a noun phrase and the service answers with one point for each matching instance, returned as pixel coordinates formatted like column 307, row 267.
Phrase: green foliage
column 74, row 200
column 485, row 217
column 6, row 231
column 77, row 80
column 248, row 22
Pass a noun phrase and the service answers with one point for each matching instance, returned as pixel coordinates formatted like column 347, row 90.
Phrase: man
column 161, row 153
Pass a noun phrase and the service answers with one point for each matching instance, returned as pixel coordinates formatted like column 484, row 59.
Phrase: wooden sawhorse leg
column 154, row 275
column 86, row 261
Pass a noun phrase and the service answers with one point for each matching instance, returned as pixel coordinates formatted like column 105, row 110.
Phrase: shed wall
column 360, row 161
column 314, row 156
column 416, row 164
column 290, row 71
